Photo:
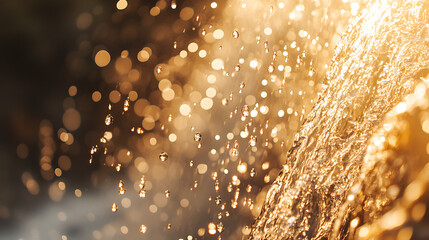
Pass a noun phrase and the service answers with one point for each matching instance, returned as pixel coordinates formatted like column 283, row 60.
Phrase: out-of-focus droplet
column 173, row 4
column 143, row 228
column 197, row 137
column 163, row 156
column 235, row 34
column 108, row 120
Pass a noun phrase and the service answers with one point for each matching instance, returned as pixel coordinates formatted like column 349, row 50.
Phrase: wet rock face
column 377, row 63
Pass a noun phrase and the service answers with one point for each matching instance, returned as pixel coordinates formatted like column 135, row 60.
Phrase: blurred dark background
column 35, row 39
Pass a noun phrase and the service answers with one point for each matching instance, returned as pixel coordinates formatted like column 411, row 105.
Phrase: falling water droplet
column 245, row 111
column 126, row 105
column 163, row 156
column 120, row 184
column 229, row 187
column 167, row 193
column 218, row 200
column 235, row 34
column 118, row 167
column 224, row 101
column 197, row 137
column 158, row 70
column 143, row 228
column 142, row 193
column 237, row 68
column 252, row 172
column 220, row 227
column 114, row 207
column 252, row 141
column 108, row 120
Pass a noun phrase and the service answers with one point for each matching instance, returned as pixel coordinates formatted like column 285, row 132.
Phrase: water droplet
column 224, row 101
column 158, row 70
column 252, row 172
column 108, row 120
column 142, row 182
column 252, row 141
column 169, row 226
column 235, row 34
column 143, row 228
column 197, row 137
column 242, row 85
column 271, row 68
column 126, row 105
column 220, row 227
column 118, row 167
column 173, row 4
column 142, row 193
column 163, row 156
column 249, row 188
column 237, row 68
column 218, row 200
column 167, row 193
column 229, row 187
column 114, row 207
column 245, row 111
